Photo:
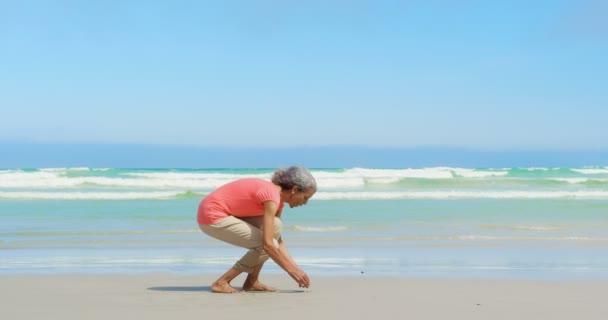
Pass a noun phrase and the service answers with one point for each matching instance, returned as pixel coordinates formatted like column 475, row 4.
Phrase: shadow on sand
column 184, row 289
column 208, row 289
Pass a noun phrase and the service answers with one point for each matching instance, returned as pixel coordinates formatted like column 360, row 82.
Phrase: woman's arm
column 279, row 211
column 283, row 251
column 280, row 255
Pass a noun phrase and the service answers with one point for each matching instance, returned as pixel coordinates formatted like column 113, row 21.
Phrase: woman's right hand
column 300, row 277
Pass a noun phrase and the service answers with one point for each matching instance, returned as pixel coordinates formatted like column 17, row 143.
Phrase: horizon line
column 429, row 147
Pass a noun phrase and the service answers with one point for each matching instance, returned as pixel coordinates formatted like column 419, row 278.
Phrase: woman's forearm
column 278, row 254
column 283, row 250
column 281, row 257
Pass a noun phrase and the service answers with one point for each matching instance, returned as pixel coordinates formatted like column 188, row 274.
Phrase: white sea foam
column 591, row 171
column 49, row 180
column 389, row 180
column 462, row 195
column 393, row 175
column 355, row 179
column 471, row 173
column 53, row 169
column 352, row 178
column 536, row 169
column 31, row 195
column 358, row 177
column 27, row 175
column 153, row 183
column 35, row 179
column 571, row 180
column 423, row 173
column 581, row 180
column 197, row 175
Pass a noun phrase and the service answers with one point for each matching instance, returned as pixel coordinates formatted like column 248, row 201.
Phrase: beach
column 458, row 150
column 411, row 243
column 170, row 296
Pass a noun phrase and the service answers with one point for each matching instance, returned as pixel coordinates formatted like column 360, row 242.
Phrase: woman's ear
column 294, row 189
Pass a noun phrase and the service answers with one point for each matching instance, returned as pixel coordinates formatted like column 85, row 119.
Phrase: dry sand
column 168, row 296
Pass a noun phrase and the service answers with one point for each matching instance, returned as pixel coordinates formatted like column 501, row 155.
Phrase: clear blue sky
column 476, row 74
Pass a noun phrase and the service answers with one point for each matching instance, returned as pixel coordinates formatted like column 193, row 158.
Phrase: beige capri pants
column 246, row 233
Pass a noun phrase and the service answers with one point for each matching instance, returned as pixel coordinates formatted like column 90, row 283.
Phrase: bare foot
column 223, row 287
column 257, row 286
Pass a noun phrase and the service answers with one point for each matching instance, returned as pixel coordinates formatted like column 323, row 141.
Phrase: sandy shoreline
column 168, row 296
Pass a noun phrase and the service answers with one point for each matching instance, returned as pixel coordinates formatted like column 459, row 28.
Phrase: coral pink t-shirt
column 240, row 198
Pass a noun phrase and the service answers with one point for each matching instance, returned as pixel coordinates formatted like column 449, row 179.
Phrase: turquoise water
column 539, row 223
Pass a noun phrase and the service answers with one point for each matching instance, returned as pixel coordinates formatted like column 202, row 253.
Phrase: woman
column 247, row 213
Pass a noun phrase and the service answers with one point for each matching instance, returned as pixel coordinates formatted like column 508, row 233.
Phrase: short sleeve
column 268, row 193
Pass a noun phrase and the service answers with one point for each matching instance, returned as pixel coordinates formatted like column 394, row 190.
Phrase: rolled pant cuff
column 242, row 268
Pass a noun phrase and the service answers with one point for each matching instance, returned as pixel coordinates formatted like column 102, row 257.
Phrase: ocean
column 514, row 223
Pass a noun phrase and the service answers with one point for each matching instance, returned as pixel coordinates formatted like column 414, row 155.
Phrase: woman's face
column 299, row 198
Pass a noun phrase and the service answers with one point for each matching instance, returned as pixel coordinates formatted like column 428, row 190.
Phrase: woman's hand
column 300, row 277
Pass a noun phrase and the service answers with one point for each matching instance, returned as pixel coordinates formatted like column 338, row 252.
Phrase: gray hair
column 294, row 176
